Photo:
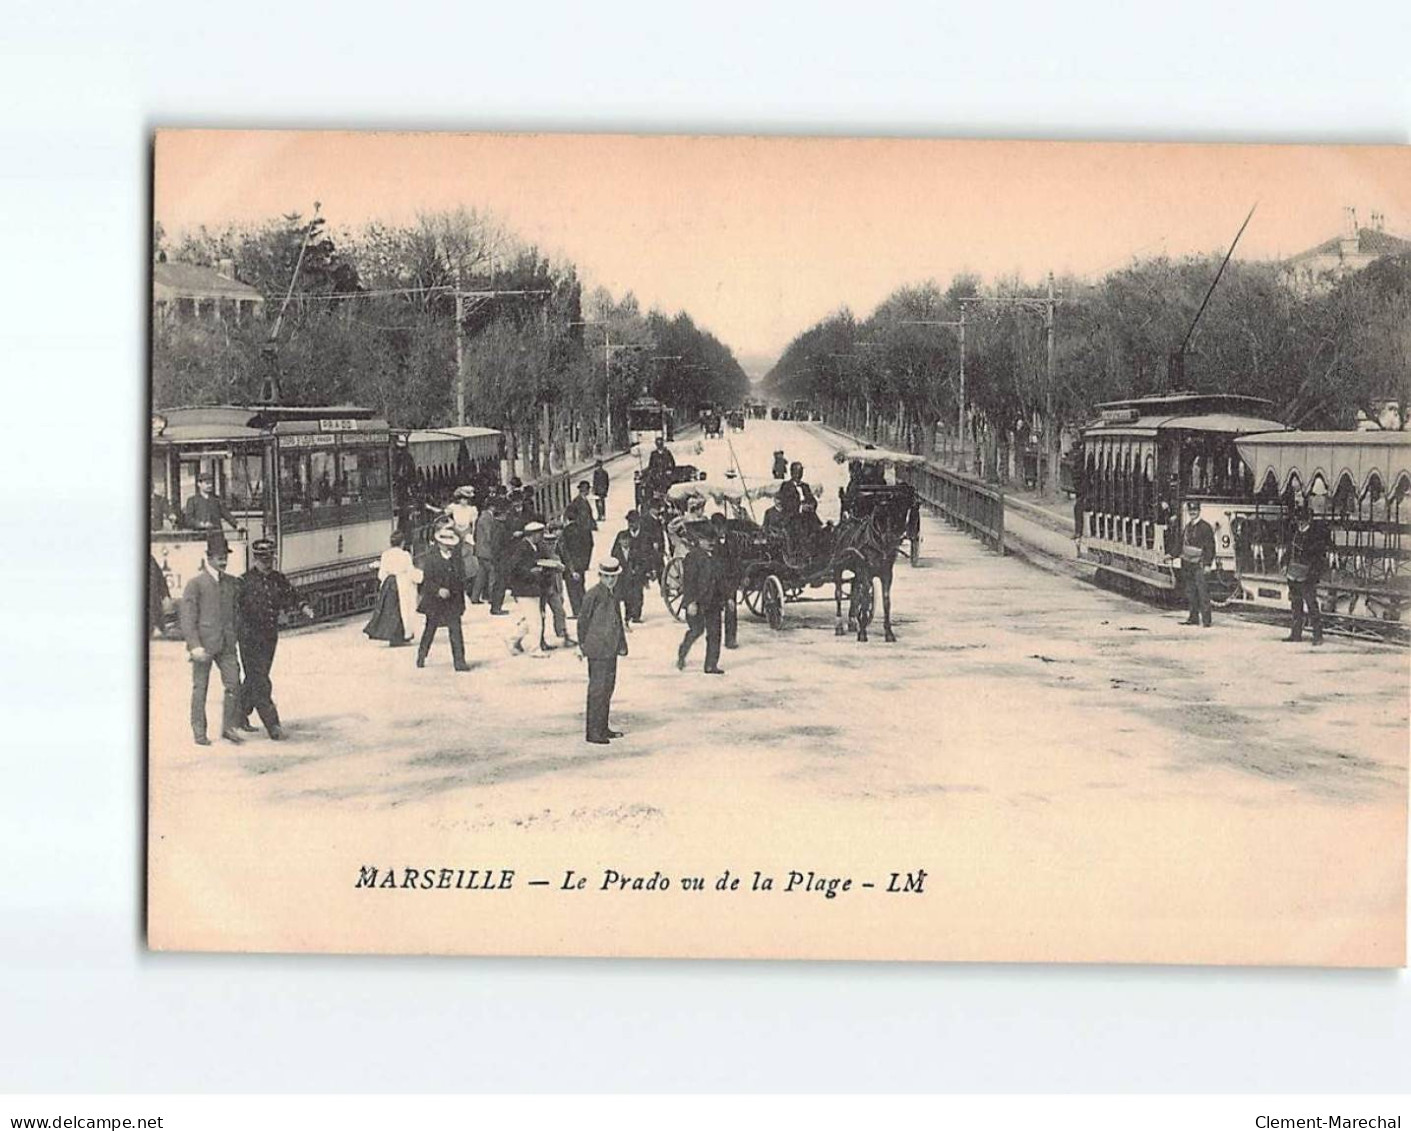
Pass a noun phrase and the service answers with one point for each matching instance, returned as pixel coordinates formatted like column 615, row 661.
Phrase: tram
column 317, row 480
column 1356, row 483
column 648, row 418
column 1138, row 466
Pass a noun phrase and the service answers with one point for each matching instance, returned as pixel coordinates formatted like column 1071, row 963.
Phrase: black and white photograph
column 778, row 547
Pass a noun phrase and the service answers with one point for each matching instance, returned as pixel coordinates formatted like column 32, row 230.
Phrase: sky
column 760, row 238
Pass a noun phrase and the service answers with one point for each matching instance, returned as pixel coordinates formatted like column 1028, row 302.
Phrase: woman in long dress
column 396, row 599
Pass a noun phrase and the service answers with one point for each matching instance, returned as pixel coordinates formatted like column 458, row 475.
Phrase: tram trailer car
column 1356, row 483
column 1142, row 462
column 315, row 479
column 648, row 418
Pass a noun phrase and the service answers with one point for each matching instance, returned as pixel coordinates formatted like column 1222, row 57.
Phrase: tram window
column 323, row 478
column 362, row 474
column 294, row 481
column 247, row 481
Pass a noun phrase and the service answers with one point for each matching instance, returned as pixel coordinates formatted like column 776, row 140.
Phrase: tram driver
column 1197, row 556
column 206, row 510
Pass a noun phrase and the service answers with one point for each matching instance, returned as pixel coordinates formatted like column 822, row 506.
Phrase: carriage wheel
column 672, row 578
column 771, row 598
column 753, row 592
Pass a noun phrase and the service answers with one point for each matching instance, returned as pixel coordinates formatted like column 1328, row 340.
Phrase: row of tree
column 1323, row 358
column 449, row 316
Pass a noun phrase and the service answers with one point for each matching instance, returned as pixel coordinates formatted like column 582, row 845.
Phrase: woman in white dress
column 397, row 575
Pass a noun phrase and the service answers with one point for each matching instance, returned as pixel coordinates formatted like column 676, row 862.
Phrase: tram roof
column 1331, row 456
column 188, row 423
column 1226, row 423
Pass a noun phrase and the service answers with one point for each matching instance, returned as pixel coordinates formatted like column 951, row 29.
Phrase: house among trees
column 185, row 292
column 1320, row 268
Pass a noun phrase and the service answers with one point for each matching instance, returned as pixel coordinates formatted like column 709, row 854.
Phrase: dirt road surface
column 1080, row 777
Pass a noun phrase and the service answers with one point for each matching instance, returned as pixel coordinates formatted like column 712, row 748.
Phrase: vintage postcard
column 779, row 548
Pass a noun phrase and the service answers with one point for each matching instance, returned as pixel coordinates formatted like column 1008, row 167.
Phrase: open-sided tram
column 1354, row 482
column 317, row 480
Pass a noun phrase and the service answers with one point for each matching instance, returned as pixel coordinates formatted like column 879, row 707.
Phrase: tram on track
column 648, row 418
column 317, row 480
column 1354, row 482
column 1138, row 466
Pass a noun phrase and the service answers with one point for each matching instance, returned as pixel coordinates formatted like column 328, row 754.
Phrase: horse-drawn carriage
column 869, row 492
column 777, row 561
column 646, row 485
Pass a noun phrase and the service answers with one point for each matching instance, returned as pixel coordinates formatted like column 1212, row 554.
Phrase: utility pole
column 460, row 349
column 1050, row 486
column 1045, row 306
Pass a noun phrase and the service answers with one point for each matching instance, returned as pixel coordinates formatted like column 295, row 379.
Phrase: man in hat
column 633, row 553
column 487, row 536
column 264, row 594
column 554, row 565
column 794, row 494
column 576, row 550
column 1197, row 555
column 581, row 509
column 780, row 468
column 660, row 464
column 731, row 555
column 601, row 640
column 600, row 488
column 1304, row 566
column 443, row 597
column 205, row 510
column 703, row 595
column 208, row 613
column 529, row 575
column 654, row 530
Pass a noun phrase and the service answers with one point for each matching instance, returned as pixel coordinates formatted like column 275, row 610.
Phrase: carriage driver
column 795, row 496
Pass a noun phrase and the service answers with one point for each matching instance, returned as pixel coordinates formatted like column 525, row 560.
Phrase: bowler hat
column 216, row 545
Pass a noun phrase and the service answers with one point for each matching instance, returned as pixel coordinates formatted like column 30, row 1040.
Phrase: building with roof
column 1323, row 266
column 187, row 292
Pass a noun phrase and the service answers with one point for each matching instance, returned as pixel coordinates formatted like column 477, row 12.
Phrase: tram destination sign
column 315, row 440
column 337, row 424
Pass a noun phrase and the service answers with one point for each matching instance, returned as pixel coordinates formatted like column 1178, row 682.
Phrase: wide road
column 1081, row 777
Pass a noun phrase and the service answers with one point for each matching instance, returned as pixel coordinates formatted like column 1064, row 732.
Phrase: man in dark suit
column 206, row 510
column 600, row 488
column 633, row 554
column 576, row 550
column 1197, row 555
column 1307, row 560
column 264, row 594
column 601, row 640
column 208, row 610
column 581, row 509
column 489, row 529
column 703, row 596
column 731, row 553
column 443, row 597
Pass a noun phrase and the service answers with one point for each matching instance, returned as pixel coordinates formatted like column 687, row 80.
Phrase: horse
column 868, row 546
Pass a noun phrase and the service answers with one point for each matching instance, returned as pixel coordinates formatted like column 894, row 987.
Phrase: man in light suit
column 208, row 607
column 601, row 640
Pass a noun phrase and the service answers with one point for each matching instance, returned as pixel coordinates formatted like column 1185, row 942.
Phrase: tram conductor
column 264, row 594
column 1197, row 556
